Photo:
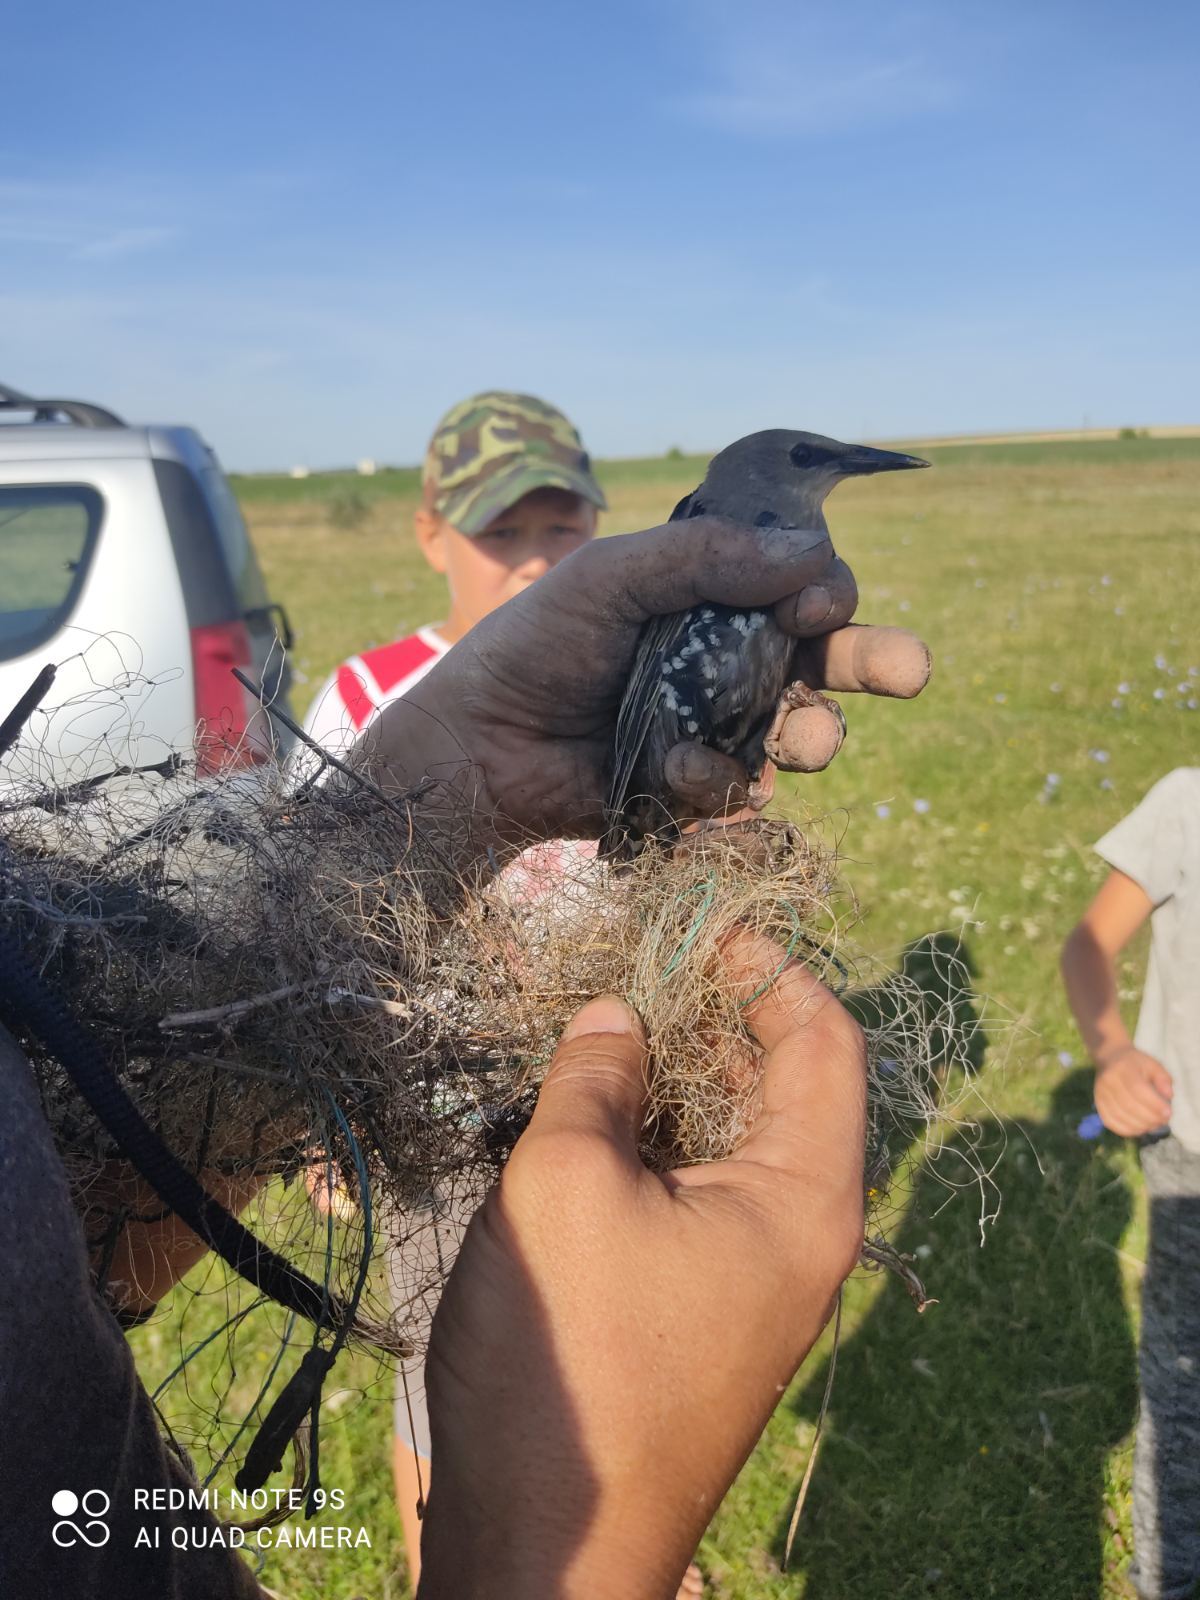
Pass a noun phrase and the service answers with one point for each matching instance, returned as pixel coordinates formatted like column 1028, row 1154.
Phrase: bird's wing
column 660, row 637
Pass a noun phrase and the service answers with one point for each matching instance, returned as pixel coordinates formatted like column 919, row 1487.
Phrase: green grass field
column 983, row 1449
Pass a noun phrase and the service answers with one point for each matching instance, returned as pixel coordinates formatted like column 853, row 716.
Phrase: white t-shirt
column 1158, row 846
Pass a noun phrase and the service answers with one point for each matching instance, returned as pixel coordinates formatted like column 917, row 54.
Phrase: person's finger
column 640, row 575
column 1136, row 1105
column 1145, row 1100
column 1160, row 1080
column 812, row 1114
column 822, row 606
column 705, row 778
column 1116, row 1122
column 596, row 1082
column 807, row 739
column 885, row 661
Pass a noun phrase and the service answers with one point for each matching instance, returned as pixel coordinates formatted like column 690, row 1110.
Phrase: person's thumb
column 597, row 1080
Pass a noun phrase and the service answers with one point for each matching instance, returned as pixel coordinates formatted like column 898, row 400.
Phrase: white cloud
column 100, row 221
column 126, row 242
column 782, row 101
column 784, row 71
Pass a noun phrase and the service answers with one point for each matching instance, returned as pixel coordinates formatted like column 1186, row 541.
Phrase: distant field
column 982, row 1450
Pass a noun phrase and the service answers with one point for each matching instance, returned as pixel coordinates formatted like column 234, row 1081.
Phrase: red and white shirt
column 358, row 690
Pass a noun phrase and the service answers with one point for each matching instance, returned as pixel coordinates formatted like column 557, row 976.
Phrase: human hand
column 529, row 698
column 1133, row 1092
column 611, row 1341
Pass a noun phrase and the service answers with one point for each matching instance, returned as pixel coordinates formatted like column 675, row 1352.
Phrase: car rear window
column 47, row 535
column 235, row 541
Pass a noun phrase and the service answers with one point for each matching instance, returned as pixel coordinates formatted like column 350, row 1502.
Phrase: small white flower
column 1001, row 699
column 1052, row 780
column 1117, row 705
column 1065, row 1058
column 1160, row 694
column 1056, row 688
column 1122, row 688
column 1161, row 663
column 1099, row 755
column 920, row 807
column 1106, row 783
column 1106, row 580
column 883, row 812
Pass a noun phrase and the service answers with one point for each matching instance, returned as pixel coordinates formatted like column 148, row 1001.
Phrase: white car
column 125, row 563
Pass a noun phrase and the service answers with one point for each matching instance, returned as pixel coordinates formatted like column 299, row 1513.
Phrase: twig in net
column 14, row 722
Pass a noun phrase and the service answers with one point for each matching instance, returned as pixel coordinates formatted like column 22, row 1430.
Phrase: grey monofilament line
column 394, row 803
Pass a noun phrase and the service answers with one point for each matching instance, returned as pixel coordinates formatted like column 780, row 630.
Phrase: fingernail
column 813, row 605
column 797, row 541
column 606, row 1014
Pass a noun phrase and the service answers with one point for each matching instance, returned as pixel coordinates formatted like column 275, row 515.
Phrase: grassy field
column 982, row 1449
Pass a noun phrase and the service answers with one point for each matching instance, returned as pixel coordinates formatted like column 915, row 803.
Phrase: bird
column 715, row 673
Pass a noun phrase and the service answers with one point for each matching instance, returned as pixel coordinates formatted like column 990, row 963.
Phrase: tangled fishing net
column 316, row 1014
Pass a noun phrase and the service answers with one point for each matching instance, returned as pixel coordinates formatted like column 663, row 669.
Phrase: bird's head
column 781, row 476
column 812, row 452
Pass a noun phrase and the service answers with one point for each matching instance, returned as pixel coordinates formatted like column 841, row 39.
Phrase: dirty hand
column 612, row 1341
column 1133, row 1092
column 529, row 698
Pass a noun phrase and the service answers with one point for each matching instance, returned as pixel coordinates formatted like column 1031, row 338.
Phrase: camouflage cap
column 489, row 451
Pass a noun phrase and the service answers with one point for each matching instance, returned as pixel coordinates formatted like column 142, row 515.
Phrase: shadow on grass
column 965, row 1449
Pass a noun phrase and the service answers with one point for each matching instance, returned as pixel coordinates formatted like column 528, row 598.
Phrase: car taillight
column 223, row 708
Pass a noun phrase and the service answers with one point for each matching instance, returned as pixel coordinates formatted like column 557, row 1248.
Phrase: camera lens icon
column 92, row 1506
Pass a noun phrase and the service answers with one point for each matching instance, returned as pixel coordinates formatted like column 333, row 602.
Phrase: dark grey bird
column 714, row 673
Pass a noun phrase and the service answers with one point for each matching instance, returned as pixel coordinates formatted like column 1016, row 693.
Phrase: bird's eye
column 801, row 455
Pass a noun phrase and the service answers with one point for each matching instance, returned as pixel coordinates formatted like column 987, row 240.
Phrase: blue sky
column 309, row 228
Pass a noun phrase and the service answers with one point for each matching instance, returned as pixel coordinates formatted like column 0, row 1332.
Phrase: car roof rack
column 81, row 412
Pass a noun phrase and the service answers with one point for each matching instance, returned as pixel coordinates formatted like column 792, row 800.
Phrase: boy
column 507, row 492
column 1148, row 1087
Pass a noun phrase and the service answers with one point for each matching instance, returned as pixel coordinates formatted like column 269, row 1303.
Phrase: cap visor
column 513, row 483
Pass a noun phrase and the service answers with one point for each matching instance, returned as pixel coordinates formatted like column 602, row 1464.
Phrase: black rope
column 27, row 1001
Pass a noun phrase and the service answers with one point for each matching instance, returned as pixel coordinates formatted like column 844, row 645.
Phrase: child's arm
column 1133, row 1090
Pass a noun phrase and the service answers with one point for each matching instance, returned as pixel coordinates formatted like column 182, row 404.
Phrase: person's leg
column 410, row 1473
column 423, row 1245
column 1166, row 1478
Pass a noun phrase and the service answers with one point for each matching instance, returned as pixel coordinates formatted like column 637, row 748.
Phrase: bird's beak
column 864, row 458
